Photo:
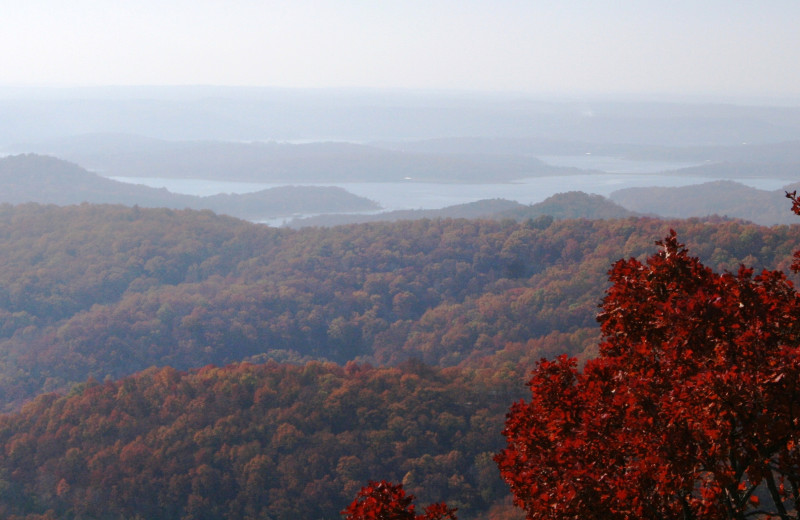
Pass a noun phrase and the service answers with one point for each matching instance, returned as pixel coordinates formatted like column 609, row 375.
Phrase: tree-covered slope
column 102, row 292
column 247, row 441
column 105, row 291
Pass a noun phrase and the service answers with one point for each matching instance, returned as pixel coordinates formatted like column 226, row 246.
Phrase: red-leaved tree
column 386, row 501
column 691, row 410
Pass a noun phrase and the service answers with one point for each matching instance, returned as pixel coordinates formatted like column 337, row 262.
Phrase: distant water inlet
column 418, row 195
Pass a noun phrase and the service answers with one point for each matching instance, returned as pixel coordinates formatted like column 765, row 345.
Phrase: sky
column 714, row 48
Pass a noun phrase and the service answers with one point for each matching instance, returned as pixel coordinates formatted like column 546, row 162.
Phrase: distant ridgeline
column 573, row 204
column 314, row 162
column 47, row 180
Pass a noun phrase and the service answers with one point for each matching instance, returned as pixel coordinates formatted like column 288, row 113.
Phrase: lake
column 617, row 173
column 418, row 195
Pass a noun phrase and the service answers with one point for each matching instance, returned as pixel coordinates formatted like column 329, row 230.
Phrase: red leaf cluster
column 692, row 409
column 386, row 501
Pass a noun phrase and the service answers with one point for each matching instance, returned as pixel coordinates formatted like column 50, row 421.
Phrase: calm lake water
column 417, row 195
column 617, row 174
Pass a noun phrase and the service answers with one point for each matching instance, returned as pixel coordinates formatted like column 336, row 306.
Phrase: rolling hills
column 281, row 162
column 727, row 198
column 378, row 350
column 104, row 291
column 47, row 180
column 574, row 204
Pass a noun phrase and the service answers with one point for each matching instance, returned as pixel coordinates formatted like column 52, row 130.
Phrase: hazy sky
column 709, row 47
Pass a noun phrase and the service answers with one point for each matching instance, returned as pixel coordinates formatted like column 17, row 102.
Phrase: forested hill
column 718, row 197
column 280, row 162
column 105, row 291
column 573, row 204
column 429, row 329
column 254, row 441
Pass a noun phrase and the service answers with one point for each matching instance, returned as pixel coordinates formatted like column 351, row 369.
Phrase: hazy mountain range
column 272, row 162
column 474, row 160
column 573, row 204
column 725, row 198
column 288, row 137
column 42, row 179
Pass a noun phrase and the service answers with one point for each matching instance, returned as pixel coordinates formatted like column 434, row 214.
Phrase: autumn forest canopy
column 159, row 363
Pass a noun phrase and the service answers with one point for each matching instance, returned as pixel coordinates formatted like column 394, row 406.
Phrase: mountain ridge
column 49, row 180
column 571, row 204
column 722, row 197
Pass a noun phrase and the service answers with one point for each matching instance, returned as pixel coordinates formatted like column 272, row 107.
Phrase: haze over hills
column 725, row 198
column 230, row 134
column 572, row 204
column 128, row 127
column 32, row 178
column 360, row 115
column 780, row 151
column 272, row 162
column 47, row 180
column 293, row 136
